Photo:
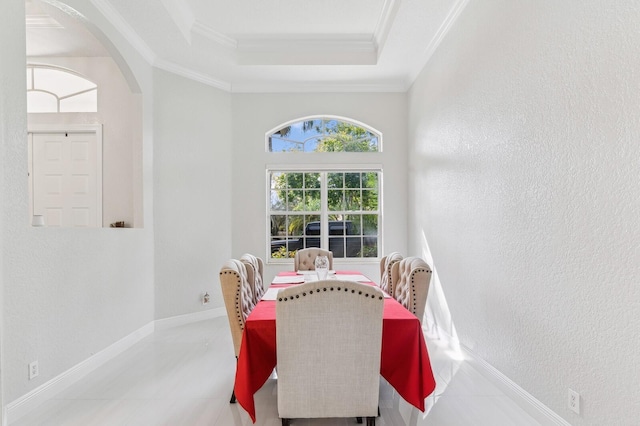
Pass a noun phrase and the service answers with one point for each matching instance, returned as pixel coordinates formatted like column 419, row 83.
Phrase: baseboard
column 28, row 402
column 524, row 399
column 178, row 320
column 23, row 405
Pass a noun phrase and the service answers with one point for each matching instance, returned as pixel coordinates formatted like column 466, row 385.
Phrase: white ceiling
column 263, row 45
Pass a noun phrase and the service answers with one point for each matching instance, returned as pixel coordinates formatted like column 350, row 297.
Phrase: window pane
column 369, row 199
column 295, row 200
column 41, row 102
column 352, row 180
column 353, row 246
column 282, row 145
column 60, row 82
column 312, row 200
column 295, row 225
column 277, row 180
column 294, row 180
column 278, row 225
column 336, row 246
column 370, row 247
column 277, row 203
column 370, row 180
column 336, row 200
column 84, row 102
column 331, row 126
column 356, row 226
column 353, row 200
column 312, row 231
column 335, row 180
column 370, row 224
column 312, row 180
column 323, row 135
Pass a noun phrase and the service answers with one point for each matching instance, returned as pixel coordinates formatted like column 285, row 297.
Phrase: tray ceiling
column 263, row 45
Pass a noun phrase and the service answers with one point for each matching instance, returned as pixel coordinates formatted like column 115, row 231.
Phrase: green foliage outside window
column 324, row 135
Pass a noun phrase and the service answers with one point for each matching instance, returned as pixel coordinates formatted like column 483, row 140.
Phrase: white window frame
column 31, row 83
column 323, row 168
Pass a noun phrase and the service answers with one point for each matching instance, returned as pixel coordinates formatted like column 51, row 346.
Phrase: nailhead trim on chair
column 238, row 307
column 366, row 295
column 414, row 305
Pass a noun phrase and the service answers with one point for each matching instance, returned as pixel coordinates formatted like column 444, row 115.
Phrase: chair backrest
column 385, row 270
column 410, row 279
column 238, row 298
column 305, row 258
column 329, row 340
column 255, row 274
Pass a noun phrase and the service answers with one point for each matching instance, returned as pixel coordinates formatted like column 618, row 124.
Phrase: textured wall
column 13, row 119
column 192, row 195
column 524, row 130
column 67, row 293
column 255, row 114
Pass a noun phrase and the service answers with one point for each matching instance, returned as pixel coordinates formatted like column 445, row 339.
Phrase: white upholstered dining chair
column 255, row 275
column 329, row 339
column 238, row 300
column 410, row 279
column 385, row 270
column 304, row 259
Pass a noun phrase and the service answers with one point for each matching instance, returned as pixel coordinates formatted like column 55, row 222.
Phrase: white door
column 66, row 172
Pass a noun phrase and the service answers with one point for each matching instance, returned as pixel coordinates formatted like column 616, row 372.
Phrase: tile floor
column 184, row 375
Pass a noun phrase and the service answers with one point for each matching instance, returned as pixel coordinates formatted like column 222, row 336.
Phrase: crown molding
column 318, row 88
column 346, row 49
column 192, row 75
column 182, row 16
column 452, row 16
column 213, row 35
column 385, row 22
column 125, row 29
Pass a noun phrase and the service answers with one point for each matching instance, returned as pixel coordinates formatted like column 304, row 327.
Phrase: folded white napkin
column 330, row 272
column 358, row 277
column 288, row 279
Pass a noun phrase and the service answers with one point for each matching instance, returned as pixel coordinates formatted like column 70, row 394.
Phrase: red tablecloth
column 404, row 360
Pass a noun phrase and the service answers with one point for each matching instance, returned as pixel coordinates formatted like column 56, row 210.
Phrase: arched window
column 323, row 134
column 313, row 203
column 52, row 89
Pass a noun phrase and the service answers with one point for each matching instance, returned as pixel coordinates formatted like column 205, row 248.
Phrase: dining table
column 404, row 361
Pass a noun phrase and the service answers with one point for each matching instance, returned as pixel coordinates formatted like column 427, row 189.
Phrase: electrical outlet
column 574, row 401
column 33, row 370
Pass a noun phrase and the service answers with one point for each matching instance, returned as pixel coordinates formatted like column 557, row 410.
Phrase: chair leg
column 233, row 393
column 286, row 422
column 358, row 420
column 371, row 421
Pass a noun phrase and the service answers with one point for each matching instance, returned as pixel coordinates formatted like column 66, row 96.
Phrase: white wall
column 119, row 111
column 66, row 293
column 192, row 197
column 524, row 156
column 255, row 114
column 12, row 120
